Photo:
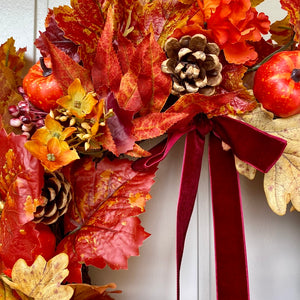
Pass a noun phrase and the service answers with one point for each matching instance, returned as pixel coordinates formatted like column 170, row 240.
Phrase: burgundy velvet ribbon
column 251, row 145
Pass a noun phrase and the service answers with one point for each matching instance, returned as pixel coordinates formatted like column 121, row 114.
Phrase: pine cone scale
column 57, row 194
column 193, row 64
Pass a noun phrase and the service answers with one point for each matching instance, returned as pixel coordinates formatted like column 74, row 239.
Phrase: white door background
column 273, row 242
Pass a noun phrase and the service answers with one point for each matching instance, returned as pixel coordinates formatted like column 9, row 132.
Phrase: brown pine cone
column 57, row 195
column 193, row 64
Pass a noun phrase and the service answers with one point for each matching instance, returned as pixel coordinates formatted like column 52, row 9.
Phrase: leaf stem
column 283, row 48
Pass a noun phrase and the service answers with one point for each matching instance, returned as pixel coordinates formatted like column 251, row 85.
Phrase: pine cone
column 57, row 195
column 193, row 64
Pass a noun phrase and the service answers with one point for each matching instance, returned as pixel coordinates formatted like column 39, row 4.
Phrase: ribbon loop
column 249, row 144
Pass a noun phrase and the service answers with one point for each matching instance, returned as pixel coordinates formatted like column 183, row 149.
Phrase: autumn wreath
column 74, row 174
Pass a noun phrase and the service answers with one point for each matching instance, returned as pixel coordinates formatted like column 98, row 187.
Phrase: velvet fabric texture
column 251, row 145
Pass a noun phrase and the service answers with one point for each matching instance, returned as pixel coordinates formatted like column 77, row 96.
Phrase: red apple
column 277, row 84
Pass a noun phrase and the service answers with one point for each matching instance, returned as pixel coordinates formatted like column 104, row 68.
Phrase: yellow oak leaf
column 42, row 280
column 244, row 168
column 282, row 182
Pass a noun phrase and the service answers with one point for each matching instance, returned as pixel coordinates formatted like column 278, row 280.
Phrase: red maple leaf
column 21, row 179
column 106, row 71
column 154, row 124
column 165, row 16
column 21, row 182
column 145, row 88
column 57, row 36
column 82, row 23
column 102, row 223
column 65, row 69
column 125, row 52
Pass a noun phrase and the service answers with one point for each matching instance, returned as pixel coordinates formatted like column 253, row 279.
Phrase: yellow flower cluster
column 72, row 126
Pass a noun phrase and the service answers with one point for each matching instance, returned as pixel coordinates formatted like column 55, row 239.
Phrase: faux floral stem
column 283, row 48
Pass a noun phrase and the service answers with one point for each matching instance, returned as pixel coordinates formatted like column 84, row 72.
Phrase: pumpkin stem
column 296, row 75
column 46, row 71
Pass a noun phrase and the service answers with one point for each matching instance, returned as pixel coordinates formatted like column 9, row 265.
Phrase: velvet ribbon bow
column 249, row 144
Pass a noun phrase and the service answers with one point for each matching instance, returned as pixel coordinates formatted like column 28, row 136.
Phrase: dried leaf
column 11, row 58
column 8, row 96
column 282, row 182
column 254, row 3
column 128, row 96
column 6, row 293
column 107, row 141
column 102, row 220
column 11, row 66
column 42, row 280
column 21, row 182
column 281, row 31
column 92, row 292
column 293, row 9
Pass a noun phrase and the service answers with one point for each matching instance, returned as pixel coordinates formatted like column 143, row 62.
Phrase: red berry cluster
column 25, row 115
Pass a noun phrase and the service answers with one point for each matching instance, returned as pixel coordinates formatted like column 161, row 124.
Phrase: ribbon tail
column 192, row 161
column 230, row 250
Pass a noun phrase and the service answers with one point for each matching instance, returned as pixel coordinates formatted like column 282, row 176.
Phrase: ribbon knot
column 249, row 144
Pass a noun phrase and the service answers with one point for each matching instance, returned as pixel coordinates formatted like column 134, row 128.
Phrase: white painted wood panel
column 273, row 242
